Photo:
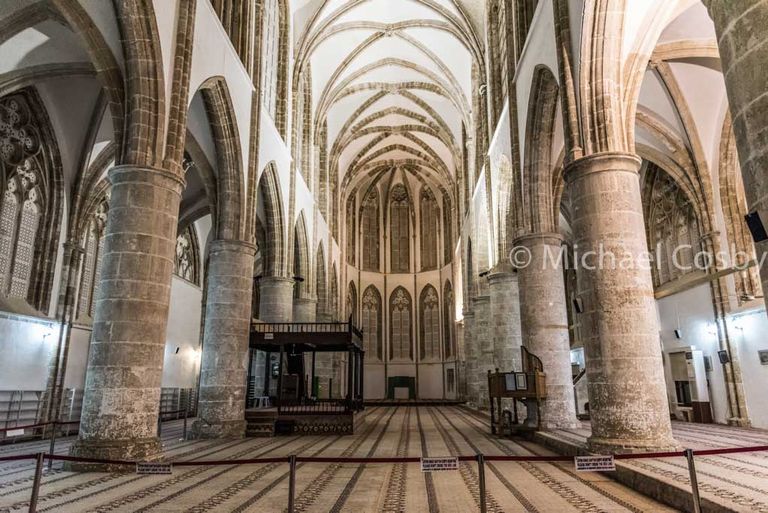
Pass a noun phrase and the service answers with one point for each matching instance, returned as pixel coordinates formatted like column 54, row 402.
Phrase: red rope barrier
column 18, row 457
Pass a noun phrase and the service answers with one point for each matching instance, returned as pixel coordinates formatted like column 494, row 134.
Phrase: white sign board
column 14, row 432
column 150, row 467
column 437, row 464
column 269, row 336
column 594, row 463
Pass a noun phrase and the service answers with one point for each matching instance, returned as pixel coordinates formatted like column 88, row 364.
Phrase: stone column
column 483, row 348
column 627, row 394
column 125, row 362
column 505, row 320
column 743, row 42
column 224, row 363
column 470, row 358
column 544, row 319
column 304, row 309
column 276, row 303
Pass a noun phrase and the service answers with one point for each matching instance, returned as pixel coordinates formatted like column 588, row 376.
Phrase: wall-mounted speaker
column 756, row 227
column 578, row 305
column 723, row 356
column 678, row 333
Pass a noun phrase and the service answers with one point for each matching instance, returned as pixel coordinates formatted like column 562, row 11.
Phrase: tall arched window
column 270, row 52
column 370, row 231
column 400, row 233
column 673, row 230
column 430, row 227
column 430, row 324
column 20, row 216
column 91, row 270
column 447, row 231
column 352, row 302
column 351, row 230
column 448, row 321
column 372, row 324
column 320, row 285
column 400, row 332
column 188, row 256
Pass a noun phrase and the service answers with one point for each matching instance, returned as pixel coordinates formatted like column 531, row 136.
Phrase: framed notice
column 509, row 382
column 521, row 381
column 763, row 355
column 594, row 463
column 439, row 464
column 150, row 467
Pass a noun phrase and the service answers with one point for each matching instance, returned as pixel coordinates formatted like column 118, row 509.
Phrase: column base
column 142, row 449
column 627, row 445
column 739, row 422
column 201, row 430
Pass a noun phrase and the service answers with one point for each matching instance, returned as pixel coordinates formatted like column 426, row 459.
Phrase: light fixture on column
column 298, row 279
column 484, row 273
column 723, row 356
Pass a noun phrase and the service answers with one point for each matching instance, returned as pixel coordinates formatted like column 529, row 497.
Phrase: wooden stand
column 530, row 385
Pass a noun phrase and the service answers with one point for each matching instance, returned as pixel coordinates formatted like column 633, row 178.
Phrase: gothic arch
column 301, row 258
column 31, row 200
column 275, row 18
column 449, row 341
column 400, row 230
column 539, row 213
column 333, row 294
column 352, row 304
column 372, row 324
column 321, row 283
column 400, row 325
column 272, row 204
column 370, row 231
column 734, row 204
column 230, row 201
column 429, row 324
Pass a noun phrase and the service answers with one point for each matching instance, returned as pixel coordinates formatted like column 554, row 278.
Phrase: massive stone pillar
column 743, row 42
column 304, row 310
column 483, row 348
column 544, row 320
column 470, row 357
column 125, row 362
column 627, row 395
column 224, row 364
column 276, row 295
column 505, row 320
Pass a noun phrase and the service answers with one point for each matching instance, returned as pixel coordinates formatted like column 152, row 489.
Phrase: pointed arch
column 429, row 234
column 400, row 325
column 321, row 283
column 399, row 228
column 449, row 341
column 352, row 306
column 301, row 258
column 538, row 213
column 274, row 61
column 429, row 325
column 370, row 233
column 272, row 205
column 372, row 324
column 230, row 188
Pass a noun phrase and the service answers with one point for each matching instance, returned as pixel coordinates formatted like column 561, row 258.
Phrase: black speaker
column 755, row 225
column 723, row 356
column 578, row 306
column 678, row 333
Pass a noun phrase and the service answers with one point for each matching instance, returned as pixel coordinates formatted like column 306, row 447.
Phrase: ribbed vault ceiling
column 393, row 81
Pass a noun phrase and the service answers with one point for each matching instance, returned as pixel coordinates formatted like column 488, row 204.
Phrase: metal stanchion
column 291, row 483
column 184, row 435
column 481, row 480
column 53, row 445
column 159, row 425
column 694, row 481
column 36, row 482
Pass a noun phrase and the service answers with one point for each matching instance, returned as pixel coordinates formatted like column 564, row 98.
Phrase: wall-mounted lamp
column 298, row 279
column 484, row 273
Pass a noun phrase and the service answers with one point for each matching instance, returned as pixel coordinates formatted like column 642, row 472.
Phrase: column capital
column 151, row 175
column 499, row 277
column 534, row 239
column 601, row 163
column 233, row 245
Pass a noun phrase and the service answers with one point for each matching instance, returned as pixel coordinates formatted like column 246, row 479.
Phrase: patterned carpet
column 735, row 482
column 389, row 431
